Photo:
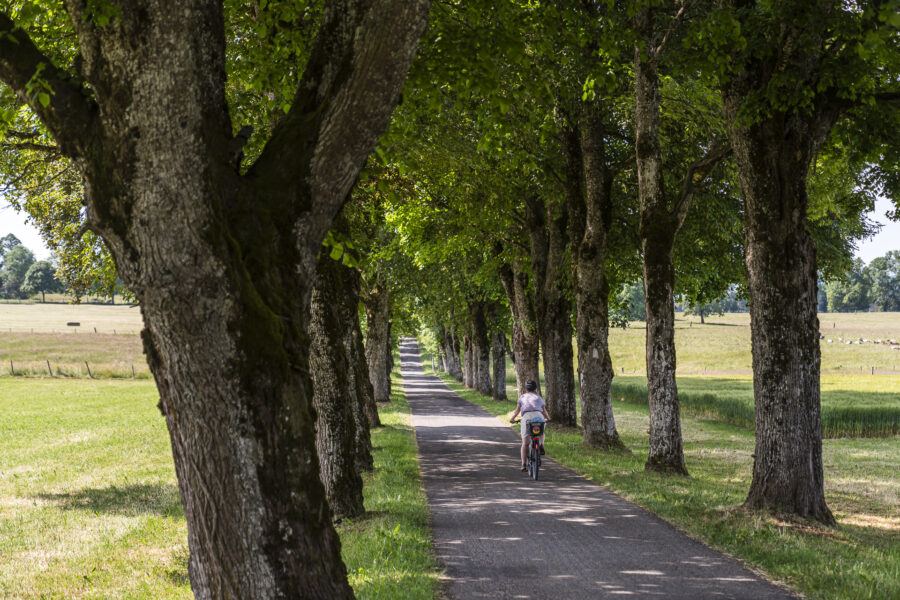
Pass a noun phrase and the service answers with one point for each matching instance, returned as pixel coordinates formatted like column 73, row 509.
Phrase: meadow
column 89, row 504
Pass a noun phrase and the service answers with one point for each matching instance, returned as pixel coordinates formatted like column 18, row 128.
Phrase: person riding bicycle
column 532, row 407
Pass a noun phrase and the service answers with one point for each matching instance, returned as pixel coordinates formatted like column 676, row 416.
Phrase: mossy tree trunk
column 377, row 302
column 773, row 156
column 498, row 358
column 338, row 443
column 481, row 348
column 526, row 342
column 658, row 227
column 548, row 241
column 222, row 263
column 589, row 180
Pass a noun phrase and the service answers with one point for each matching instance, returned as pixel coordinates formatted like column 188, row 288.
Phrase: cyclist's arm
column 516, row 414
column 544, row 411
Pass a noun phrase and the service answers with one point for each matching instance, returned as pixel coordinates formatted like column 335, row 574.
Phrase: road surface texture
column 498, row 534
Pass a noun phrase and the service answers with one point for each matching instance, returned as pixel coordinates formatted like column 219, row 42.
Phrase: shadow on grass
column 130, row 500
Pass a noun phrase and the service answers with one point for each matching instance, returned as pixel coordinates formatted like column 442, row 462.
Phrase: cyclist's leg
column 524, row 452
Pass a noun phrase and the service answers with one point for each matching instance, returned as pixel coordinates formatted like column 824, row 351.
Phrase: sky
column 887, row 239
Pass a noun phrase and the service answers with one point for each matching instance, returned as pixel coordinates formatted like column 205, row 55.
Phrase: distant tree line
column 21, row 276
column 872, row 287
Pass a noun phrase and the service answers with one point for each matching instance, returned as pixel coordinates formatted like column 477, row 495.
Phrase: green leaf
column 44, row 99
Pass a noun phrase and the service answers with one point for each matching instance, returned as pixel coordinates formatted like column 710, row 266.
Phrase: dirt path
column 499, row 534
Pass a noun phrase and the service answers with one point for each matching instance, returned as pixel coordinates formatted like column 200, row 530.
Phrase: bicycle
column 533, row 458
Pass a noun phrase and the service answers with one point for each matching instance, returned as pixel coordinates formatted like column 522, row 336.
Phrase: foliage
column 16, row 263
column 40, row 278
column 884, row 274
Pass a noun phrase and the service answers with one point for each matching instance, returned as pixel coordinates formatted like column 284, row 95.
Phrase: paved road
column 499, row 534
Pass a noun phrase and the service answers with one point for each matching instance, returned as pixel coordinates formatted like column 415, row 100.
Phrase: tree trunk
column 222, row 263
column 456, row 364
column 773, row 157
column 334, row 394
column 657, row 230
column 481, row 348
column 365, row 409
column 498, row 353
column 468, row 363
column 548, row 245
column 378, row 308
column 526, row 344
column 589, row 195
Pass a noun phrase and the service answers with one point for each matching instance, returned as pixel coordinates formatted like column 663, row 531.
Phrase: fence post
column 132, row 371
column 49, row 369
column 89, row 369
column 12, row 370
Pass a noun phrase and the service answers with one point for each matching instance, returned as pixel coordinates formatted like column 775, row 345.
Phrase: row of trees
column 875, row 286
column 21, row 275
column 544, row 154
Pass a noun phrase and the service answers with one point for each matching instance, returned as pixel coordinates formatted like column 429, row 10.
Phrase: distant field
column 722, row 344
column 50, row 318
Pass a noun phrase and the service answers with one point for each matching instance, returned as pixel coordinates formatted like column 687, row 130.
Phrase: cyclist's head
column 530, row 385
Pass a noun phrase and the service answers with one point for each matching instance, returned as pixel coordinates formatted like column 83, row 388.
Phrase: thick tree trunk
column 365, row 409
column 590, row 213
column 657, row 230
column 773, row 157
column 481, row 348
column 526, row 342
column 498, row 357
column 334, row 394
column 548, row 245
column 223, row 263
column 378, row 310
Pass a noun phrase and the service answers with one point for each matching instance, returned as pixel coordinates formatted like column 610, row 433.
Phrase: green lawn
column 89, row 506
column 860, row 558
column 852, row 405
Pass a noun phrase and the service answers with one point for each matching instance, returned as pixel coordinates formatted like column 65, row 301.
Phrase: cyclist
column 532, row 407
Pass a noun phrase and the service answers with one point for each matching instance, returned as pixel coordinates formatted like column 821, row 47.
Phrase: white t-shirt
column 530, row 402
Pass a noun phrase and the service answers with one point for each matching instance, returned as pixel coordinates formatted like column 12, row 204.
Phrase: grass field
column 722, row 345
column 860, row 558
column 89, row 506
column 852, row 405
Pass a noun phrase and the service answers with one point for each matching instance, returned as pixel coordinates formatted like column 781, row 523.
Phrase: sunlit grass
column 89, row 504
column 388, row 550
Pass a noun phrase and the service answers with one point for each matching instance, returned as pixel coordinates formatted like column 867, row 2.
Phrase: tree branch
column 349, row 89
column 673, row 26
column 52, row 93
column 696, row 173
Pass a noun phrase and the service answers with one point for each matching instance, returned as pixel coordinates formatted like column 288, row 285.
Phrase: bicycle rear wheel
column 535, row 460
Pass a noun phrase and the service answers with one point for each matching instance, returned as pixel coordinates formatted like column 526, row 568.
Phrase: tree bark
column 589, row 181
column 548, row 244
column 222, row 263
column 481, row 348
column 526, row 343
column 378, row 310
column 455, row 356
column 658, row 227
column 451, row 354
column 334, row 394
column 773, row 155
column 498, row 354
column 365, row 411
column 468, row 362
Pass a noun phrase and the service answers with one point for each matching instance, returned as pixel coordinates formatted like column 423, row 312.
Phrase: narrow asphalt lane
column 498, row 534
